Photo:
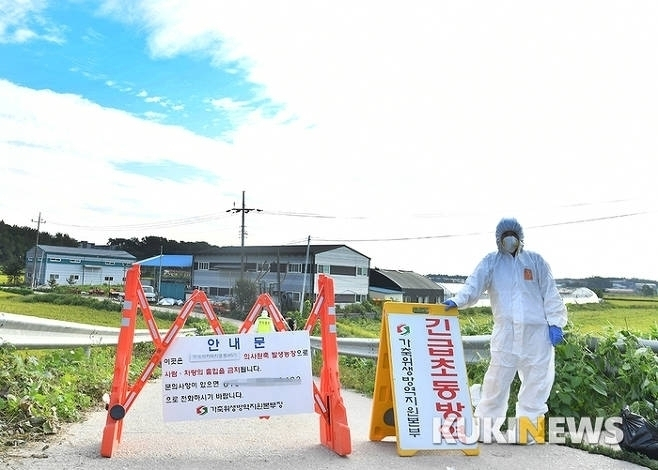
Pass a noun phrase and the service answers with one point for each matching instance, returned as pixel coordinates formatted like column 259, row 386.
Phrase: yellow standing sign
column 421, row 391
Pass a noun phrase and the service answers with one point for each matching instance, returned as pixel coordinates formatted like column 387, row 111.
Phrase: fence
column 26, row 332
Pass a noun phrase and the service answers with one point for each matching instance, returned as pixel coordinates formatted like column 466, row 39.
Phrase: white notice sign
column 430, row 384
column 236, row 376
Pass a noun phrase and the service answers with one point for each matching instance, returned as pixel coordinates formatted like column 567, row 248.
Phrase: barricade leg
column 334, row 431
column 116, row 411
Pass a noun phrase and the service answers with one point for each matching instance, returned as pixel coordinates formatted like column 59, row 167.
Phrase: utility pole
column 39, row 221
column 305, row 273
column 160, row 276
column 244, row 210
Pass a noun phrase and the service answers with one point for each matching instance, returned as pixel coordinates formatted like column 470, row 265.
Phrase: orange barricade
column 123, row 394
column 334, row 430
column 264, row 301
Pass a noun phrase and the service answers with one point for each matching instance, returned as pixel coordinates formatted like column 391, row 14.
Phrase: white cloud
column 152, row 115
column 22, row 21
column 428, row 121
column 227, row 104
column 22, row 35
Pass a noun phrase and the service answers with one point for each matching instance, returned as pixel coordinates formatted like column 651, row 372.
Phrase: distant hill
column 597, row 284
column 15, row 241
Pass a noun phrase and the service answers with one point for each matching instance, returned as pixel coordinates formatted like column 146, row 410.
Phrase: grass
column 87, row 377
column 634, row 314
column 86, row 310
column 357, row 327
column 41, row 390
column 26, row 305
column 637, row 315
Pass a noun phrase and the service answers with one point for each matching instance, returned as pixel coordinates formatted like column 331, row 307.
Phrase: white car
column 149, row 293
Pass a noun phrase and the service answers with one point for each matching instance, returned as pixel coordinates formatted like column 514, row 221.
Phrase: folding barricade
column 328, row 403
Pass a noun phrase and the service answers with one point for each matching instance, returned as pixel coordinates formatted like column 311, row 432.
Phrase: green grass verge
column 40, row 390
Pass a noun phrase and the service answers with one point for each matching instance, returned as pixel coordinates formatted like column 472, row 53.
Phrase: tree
column 246, row 293
column 14, row 270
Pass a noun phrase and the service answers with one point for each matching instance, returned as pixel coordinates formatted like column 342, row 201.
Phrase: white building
column 288, row 273
column 88, row 265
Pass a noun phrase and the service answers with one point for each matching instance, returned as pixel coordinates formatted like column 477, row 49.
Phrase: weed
column 599, row 368
column 39, row 391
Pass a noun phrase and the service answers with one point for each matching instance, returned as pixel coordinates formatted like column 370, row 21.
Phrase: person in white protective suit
column 528, row 317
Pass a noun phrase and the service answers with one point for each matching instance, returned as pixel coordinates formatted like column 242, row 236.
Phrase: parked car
column 150, row 294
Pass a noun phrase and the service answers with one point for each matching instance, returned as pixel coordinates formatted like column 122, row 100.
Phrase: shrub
column 73, row 299
column 596, row 377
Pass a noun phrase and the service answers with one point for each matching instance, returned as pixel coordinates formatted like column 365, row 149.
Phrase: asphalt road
column 291, row 441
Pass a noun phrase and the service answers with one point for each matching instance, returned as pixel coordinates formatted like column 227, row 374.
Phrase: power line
column 217, row 216
column 149, row 225
column 469, row 234
column 243, row 210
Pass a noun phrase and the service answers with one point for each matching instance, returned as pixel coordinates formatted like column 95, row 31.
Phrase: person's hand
column 449, row 304
column 556, row 334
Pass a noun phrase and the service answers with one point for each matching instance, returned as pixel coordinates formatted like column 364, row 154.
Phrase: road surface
column 292, row 442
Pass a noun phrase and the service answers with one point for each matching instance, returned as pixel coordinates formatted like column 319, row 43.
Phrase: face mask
column 510, row 244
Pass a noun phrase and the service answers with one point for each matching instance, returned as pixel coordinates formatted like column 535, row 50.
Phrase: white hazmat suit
column 524, row 302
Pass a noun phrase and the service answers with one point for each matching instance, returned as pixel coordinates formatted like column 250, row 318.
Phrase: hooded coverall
column 524, row 302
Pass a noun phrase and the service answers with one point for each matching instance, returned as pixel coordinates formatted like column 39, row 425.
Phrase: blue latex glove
column 556, row 334
column 449, row 304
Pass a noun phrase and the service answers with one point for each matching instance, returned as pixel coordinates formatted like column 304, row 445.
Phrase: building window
column 349, row 298
column 361, row 271
column 109, row 278
column 263, row 267
column 55, row 260
column 343, row 270
column 295, row 268
column 202, row 266
column 324, row 269
column 109, row 263
column 54, row 277
column 75, row 261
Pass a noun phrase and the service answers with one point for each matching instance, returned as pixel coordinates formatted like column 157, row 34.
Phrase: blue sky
column 403, row 133
column 76, row 49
